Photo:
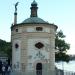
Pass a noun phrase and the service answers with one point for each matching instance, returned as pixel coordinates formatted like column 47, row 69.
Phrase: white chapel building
column 33, row 44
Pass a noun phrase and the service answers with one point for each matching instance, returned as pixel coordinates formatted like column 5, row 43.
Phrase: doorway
column 39, row 69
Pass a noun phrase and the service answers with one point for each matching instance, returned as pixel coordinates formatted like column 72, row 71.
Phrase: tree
column 61, row 47
column 5, row 47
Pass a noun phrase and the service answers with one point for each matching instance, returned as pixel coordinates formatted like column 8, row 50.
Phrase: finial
column 15, row 14
column 34, row 1
column 16, row 6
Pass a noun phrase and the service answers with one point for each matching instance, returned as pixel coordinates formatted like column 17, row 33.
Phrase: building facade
column 33, row 44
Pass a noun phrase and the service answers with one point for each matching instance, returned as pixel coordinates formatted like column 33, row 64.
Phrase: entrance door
column 39, row 69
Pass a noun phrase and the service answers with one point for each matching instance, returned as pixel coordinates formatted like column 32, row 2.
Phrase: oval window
column 16, row 45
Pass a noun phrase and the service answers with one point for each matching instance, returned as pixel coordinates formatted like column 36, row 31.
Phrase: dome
column 33, row 17
column 34, row 20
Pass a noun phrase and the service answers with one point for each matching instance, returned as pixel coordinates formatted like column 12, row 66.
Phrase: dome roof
column 34, row 20
column 33, row 17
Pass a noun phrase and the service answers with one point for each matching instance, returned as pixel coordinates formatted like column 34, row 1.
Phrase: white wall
column 16, row 54
column 33, row 51
column 33, row 29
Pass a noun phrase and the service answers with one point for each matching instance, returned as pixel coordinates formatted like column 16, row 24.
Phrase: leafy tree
column 5, row 47
column 61, row 47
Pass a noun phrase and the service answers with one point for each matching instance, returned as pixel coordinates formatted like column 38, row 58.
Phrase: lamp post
column 62, row 63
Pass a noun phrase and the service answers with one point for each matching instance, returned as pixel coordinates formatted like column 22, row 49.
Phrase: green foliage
column 62, row 57
column 5, row 47
column 61, row 47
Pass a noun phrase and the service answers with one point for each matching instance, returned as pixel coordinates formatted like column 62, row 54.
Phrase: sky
column 59, row 12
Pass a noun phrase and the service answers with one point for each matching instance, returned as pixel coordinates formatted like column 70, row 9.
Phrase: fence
column 38, row 72
column 57, row 72
column 61, row 72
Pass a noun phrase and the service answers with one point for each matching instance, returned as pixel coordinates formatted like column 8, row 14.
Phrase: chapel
column 33, row 44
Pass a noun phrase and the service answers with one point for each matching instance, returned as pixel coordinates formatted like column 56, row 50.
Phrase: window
column 39, row 28
column 16, row 45
column 39, row 45
column 16, row 30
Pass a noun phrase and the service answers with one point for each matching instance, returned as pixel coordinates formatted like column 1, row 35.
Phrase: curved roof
column 34, row 20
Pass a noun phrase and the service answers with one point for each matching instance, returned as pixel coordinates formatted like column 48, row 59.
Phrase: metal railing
column 61, row 72
column 39, row 72
column 57, row 72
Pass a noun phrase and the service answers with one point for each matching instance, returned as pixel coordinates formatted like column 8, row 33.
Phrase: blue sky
column 59, row 12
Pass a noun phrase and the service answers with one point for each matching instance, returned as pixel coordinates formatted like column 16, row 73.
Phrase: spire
column 34, row 9
column 15, row 14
